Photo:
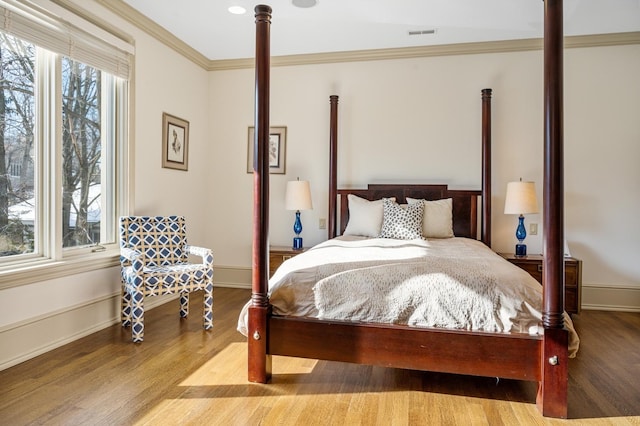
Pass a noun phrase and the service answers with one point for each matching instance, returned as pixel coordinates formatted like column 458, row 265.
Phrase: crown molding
column 598, row 40
column 522, row 45
column 145, row 24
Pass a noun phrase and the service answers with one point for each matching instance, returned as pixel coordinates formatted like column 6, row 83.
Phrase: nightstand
column 572, row 276
column 278, row 254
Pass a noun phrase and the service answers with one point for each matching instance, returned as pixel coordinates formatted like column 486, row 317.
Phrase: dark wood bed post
column 259, row 362
column 552, row 390
column 333, row 167
column 485, row 230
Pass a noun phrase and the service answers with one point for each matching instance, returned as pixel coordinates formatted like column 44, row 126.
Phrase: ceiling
column 348, row 25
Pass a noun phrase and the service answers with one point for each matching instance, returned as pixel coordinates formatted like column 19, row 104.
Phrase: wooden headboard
column 465, row 203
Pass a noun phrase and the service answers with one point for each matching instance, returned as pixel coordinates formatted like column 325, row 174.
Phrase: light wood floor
column 181, row 374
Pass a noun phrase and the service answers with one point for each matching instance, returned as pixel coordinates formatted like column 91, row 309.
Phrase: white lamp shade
column 298, row 195
column 521, row 198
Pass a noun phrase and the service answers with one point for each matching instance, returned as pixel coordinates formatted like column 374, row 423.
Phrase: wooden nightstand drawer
column 533, row 264
column 572, row 272
column 571, row 300
column 278, row 254
column 533, row 268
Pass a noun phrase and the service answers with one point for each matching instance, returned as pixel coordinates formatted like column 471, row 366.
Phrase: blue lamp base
column 297, row 228
column 521, row 234
column 297, row 243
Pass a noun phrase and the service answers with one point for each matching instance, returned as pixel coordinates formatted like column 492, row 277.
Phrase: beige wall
column 418, row 120
column 166, row 82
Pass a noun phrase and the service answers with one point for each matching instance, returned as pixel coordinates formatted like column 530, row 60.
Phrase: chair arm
column 133, row 257
column 205, row 253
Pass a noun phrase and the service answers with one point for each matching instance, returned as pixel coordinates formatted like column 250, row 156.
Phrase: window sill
column 49, row 269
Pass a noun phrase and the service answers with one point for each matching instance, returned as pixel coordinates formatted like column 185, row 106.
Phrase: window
column 15, row 169
column 81, row 155
column 63, row 127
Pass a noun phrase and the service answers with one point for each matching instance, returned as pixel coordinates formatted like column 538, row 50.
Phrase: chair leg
column 208, row 307
column 137, row 317
column 125, row 316
column 184, row 304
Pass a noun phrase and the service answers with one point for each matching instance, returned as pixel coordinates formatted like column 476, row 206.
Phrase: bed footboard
column 508, row 356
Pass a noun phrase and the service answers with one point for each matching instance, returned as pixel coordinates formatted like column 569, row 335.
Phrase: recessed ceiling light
column 237, row 10
column 304, row 3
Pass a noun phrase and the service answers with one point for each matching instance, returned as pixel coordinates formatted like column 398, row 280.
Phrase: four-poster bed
column 540, row 358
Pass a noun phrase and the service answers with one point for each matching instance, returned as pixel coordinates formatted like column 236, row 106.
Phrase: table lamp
column 298, row 197
column 521, row 199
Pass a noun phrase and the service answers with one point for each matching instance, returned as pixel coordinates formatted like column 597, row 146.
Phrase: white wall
column 418, row 120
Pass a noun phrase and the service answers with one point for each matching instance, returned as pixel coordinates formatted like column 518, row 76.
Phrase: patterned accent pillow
column 401, row 222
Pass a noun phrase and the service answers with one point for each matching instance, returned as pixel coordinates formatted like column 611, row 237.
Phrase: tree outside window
column 81, row 154
column 17, row 183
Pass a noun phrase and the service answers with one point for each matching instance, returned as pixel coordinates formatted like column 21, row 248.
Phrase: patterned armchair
column 153, row 258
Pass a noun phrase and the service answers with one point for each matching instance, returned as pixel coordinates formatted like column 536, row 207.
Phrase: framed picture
column 175, row 142
column 277, row 150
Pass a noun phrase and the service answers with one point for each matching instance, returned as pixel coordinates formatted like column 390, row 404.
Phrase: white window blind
column 39, row 25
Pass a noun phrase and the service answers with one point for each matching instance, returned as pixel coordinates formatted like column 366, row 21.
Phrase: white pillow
column 437, row 219
column 401, row 222
column 365, row 217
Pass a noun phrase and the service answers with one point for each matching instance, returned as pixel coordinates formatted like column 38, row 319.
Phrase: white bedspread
column 455, row 283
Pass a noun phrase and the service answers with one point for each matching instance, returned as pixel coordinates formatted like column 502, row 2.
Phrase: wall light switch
column 533, row 228
column 322, row 223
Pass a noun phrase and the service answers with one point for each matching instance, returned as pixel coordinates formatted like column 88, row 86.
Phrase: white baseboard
column 610, row 298
column 594, row 296
column 27, row 339
column 230, row 276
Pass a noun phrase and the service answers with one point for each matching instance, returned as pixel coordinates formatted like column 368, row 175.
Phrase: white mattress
column 455, row 283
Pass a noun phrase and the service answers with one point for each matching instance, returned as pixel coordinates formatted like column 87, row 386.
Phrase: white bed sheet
column 456, row 283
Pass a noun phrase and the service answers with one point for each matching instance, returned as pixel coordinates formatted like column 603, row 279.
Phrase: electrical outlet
column 322, row 223
column 533, row 228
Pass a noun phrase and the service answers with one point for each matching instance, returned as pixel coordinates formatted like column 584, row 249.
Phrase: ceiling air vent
column 304, row 3
column 422, row 32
